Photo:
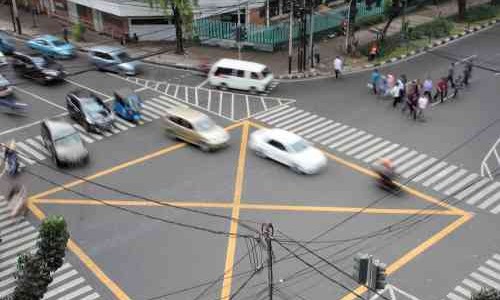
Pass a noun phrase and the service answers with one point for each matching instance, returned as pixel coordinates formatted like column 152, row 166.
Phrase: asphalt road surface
column 151, row 217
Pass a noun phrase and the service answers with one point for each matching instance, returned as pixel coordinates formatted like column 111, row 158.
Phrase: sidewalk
column 329, row 48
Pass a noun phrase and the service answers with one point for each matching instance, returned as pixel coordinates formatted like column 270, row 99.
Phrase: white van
column 240, row 75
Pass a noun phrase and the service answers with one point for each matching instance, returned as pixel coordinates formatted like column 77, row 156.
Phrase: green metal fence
column 276, row 35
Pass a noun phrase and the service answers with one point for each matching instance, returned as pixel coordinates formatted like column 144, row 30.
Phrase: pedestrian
column 316, row 53
column 397, row 93
column 66, row 34
column 338, row 65
column 375, row 81
column 457, row 85
column 391, row 81
column 427, row 87
column 423, row 102
column 467, row 72
column 383, row 87
column 441, row 89
column 451, row 74
column 373, row 52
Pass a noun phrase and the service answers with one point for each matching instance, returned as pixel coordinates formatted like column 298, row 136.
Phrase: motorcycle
column 387, row 179
column 11, row 106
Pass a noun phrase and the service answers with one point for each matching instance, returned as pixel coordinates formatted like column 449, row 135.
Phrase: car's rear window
column 58, row 43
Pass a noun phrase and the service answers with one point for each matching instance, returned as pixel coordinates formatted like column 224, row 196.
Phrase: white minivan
column 241, row 75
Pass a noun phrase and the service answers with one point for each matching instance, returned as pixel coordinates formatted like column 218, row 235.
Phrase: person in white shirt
column 337, row 66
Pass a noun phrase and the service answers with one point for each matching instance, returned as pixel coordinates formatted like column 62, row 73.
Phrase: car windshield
column 92, row 107
column 133, row 101
column 204, row 124
column 299, row 146
column 58, row 43
column 40, row 61
column 266, row 72
column 68, row 140
column 123, row 56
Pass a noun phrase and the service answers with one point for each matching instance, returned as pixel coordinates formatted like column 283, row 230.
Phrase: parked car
column 113, row 59
column 64, row 143
column 90, row 111
column 240, row 75
column 196, row 128
column 5, row 87
column 7, row 45
column 38, row 68
column 52, row 46
column 289, row 149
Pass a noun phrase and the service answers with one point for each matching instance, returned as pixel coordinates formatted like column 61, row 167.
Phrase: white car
column 289, row 149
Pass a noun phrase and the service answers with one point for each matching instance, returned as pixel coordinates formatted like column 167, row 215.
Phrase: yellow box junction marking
column 236, row 206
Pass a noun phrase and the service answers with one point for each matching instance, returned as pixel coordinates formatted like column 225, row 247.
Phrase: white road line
column 39, row 98
column 472, row 284
column 347, row 139
column 483, row 193
column 372, row 149
column 338, row 136
column 38, row 146
column 82, row 130
column 18, row 231
column 450, row 179
column 460, row 184
column 176, row 91
column 363, row 146
column 220, row 103
column 248, row 107
column 152, row 106
column 269, row 118
column 9, row 221
column 152, row 112
column 314, row 125
column 7, row 291
column 92, row 296
column 490, row 201
column 159, row 102
column 439, row 175
column 404, row 157
column 120, row 126
column 63, row 268
column 232, row 106
column 463, row 291
column 355, row 143
column 63, row 277
column 19, row 241
column 12, row 261
column 125, row 122
column 143, row 89
column 196, row 97
column 209, row 100
column 172, row 101
column 430, row 171
column 493, row 264
column 292, row 120
column 147, row 116
column 31, row 151
column 18, row 249
column 496, row 256
column 63, row 288
column 309, row 118
column 330, row 133
column 318, row 132
column 263, row 103
column 157, row 85
column 186, row 93
column 410, row 163
column 25, row 157
column 8, row 281
column 87, row 88
column 273, row 110
column 495, row 210
column 489, row 272
column 453, row 296
column 380, row 153
column 76, row 293
column 472, row 188
column 202, row 83
column 396, row 153
column 285, row 117
column 28, row 125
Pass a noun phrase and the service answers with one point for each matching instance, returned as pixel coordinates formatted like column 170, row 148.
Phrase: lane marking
column 87, row 88
column 232, row 106
column 202, row 83
column 248, row 106
column 132, row 203
column 39, row 98
column 141, row 89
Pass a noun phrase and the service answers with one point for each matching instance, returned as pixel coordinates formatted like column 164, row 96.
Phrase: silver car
column 113, row 59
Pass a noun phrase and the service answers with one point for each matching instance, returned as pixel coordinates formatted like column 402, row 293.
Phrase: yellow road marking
column 133, row 203
column 238, row 189
column 89, row 263
column 409, row 256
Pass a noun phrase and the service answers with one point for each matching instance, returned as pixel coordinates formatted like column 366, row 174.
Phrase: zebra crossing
column 228, row 105
column 486, row 276
column 19, row 236
column 454, row 181
column 32, row 150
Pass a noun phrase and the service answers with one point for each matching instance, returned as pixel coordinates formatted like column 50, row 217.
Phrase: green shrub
column 481, row 12
column 370, row 20
column 437, row 28
column 77, row 31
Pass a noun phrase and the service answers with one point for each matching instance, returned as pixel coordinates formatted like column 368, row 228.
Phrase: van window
column 103, row 55
column 254, row 75
column 224, row 71
column 240, row 73
column 266, row 72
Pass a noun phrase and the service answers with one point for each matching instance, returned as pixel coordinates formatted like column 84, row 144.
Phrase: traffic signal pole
column 239, row 30
column 290, row 40
column 311, row 32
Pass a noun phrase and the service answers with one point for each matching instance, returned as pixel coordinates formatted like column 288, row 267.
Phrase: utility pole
column 267, row 13
column 311, row 32
column 239, row 30
column 16, row 17
column 304, row 39
column 268, row 232
column 290, row 39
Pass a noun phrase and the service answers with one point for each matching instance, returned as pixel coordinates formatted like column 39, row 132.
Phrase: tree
column 392, row 9
column 182, row 12
column 33, row 278
column 54, row 237
column 486, row 294
column 462, row 5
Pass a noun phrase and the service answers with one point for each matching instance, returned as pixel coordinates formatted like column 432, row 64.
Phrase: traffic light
column 380, row 276
column 361, row 268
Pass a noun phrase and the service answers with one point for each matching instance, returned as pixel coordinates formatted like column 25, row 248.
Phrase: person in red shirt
column 442, row 89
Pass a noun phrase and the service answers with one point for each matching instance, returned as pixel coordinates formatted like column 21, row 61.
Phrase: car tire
column 253, row 90
column 223, row 86
column 259, row 153
column 204, row 147
column 297, row 169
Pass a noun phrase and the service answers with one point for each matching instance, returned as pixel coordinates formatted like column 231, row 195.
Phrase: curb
column 175, row 65
column 426, row 48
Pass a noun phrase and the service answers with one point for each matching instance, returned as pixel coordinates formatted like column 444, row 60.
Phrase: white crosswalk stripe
column 19, row 236
column 95, row 136
column 161, row 103
column 453, row 296
column 150, row 115
column 419, row 167
column 38, row 146
column 30, row 150
column 124, row 122
column 463, row 291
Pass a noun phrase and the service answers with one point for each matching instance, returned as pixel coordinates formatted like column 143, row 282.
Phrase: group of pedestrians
column 416, row 95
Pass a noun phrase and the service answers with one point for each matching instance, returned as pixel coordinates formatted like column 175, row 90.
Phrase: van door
column 239, row 80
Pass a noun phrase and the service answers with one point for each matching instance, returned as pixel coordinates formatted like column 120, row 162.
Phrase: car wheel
column 253, row 90
column 259, row 153
column 223, row 86
column 204, row 147
column 297, row 169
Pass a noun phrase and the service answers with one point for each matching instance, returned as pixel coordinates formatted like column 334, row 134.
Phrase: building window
column 160, row 21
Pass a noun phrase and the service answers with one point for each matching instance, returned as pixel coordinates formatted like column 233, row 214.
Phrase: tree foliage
column 182, row 12
column 486, row 294
column 33, row 277
column 54, row 237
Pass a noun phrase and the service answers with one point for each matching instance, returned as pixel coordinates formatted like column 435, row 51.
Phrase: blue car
column 7, row 45
column 127, row 105
column 52, row 46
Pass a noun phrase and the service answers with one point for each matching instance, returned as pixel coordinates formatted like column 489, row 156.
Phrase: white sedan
column 289, row 149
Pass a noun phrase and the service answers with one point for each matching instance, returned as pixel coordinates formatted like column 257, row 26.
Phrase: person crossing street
column 338, row 65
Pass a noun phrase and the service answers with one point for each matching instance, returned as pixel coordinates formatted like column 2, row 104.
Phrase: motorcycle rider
column 385, row 170
column 11, row 159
